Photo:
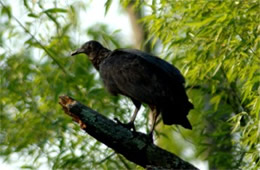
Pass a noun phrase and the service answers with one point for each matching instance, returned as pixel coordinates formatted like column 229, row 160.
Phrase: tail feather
column 176, row 114
column 186, row 123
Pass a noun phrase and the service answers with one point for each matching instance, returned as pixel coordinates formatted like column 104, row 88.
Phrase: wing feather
column 165, row 66
column 137, row 78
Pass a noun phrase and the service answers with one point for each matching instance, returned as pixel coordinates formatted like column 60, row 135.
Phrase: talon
column 129, row 125
column 118, row 121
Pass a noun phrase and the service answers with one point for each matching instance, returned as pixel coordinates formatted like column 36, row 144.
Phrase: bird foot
column 129, row 125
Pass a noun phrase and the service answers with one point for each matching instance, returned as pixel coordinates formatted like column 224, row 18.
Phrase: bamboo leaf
column 107, row 6
column 33, row 15
column 55, row 10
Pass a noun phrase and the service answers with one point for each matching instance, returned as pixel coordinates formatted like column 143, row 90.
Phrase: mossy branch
column 134, row 146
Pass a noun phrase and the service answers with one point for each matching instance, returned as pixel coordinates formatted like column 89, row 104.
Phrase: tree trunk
column 140, row 34
column 134, row 146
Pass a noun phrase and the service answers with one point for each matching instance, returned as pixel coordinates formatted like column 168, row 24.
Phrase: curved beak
column 78, row 51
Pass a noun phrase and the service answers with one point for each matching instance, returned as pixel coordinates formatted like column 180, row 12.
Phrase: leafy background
column 215, row 44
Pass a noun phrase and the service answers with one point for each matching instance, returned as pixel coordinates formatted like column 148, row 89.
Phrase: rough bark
column 134, row 146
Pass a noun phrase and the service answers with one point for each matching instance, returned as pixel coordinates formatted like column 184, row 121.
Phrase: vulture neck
column 99, row 56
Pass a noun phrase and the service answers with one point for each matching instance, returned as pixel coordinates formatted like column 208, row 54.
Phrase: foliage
column 36, row 68
column 214, row 43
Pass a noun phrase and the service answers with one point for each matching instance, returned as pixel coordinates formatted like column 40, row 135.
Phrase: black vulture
column 143, row 78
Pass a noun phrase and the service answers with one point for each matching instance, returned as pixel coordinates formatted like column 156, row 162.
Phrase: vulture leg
column 137, row 108
column 130, row 125
column 155, row 115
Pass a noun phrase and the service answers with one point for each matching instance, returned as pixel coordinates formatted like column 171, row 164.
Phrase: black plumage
column 145, row 79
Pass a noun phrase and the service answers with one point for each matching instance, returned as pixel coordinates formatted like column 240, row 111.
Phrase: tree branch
column 134, row 146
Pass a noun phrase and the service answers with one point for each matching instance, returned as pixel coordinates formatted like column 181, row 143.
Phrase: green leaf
column 33, row 15
column 7, row 10
column 55, row 10
column 27, row 167
column 107, row 5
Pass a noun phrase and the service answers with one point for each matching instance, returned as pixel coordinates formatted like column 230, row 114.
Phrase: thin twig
column 106, row 158
column 42, row 46
column 37, row 41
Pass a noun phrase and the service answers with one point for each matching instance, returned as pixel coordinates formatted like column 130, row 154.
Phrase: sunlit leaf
column 55, row 10
column 107, row 5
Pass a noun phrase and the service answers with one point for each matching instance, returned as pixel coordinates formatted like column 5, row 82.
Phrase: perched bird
column 143, row 78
